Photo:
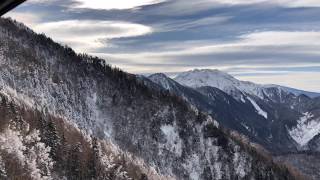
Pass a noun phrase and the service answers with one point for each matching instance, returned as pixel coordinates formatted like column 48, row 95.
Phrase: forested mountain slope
column 37, row 145
column 281, row 119
column 109, row 104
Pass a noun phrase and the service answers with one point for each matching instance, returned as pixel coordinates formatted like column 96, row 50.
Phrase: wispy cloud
column 89, row 35
column 181, row 25
column 112, row 4
column 252, row 38
column 270, row 47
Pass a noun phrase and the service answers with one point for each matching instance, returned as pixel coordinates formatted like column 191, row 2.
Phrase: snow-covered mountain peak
column 218, row 79
column 229, row 84
column 204, row 77
column 162, row 79
column 158, row 76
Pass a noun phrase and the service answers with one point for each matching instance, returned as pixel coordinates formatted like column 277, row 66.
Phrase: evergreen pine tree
column 74, row 162
column 94, row 158
column 52, row 139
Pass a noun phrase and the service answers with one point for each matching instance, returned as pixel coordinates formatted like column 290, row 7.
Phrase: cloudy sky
column 265, row 41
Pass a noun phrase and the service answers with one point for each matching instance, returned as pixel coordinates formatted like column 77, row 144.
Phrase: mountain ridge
column 110, row 104
column 290, row 123
column 226, row 82
column 265, row 100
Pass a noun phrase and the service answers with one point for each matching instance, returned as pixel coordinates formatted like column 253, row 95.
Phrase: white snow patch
column 174, row 143
column 192, row 165
column 242, row 99
column 306, row 129
column 258, row 109
column 245, row 126
column 240, row 162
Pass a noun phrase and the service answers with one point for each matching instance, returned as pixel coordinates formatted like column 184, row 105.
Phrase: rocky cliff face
column 104, row 102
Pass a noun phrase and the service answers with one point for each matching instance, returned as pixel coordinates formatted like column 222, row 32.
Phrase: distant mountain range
column 282, row 119
column 227, row 83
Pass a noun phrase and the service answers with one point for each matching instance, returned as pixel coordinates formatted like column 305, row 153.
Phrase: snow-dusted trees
column 107, row 165
column 37, row 153
column 54, row 77
column 50, row 137
column 35, row 145
column 3, row 173
column 22, row 153
column 24, row 156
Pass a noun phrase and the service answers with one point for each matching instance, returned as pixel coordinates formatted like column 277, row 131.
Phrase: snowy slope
column 231, row 85
column 258, row 108
column 244, row 115
column 308, row 127
column 287, row 129
column 221, row 80
column 282, row 106
column 294, row 91
column 162, row 80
